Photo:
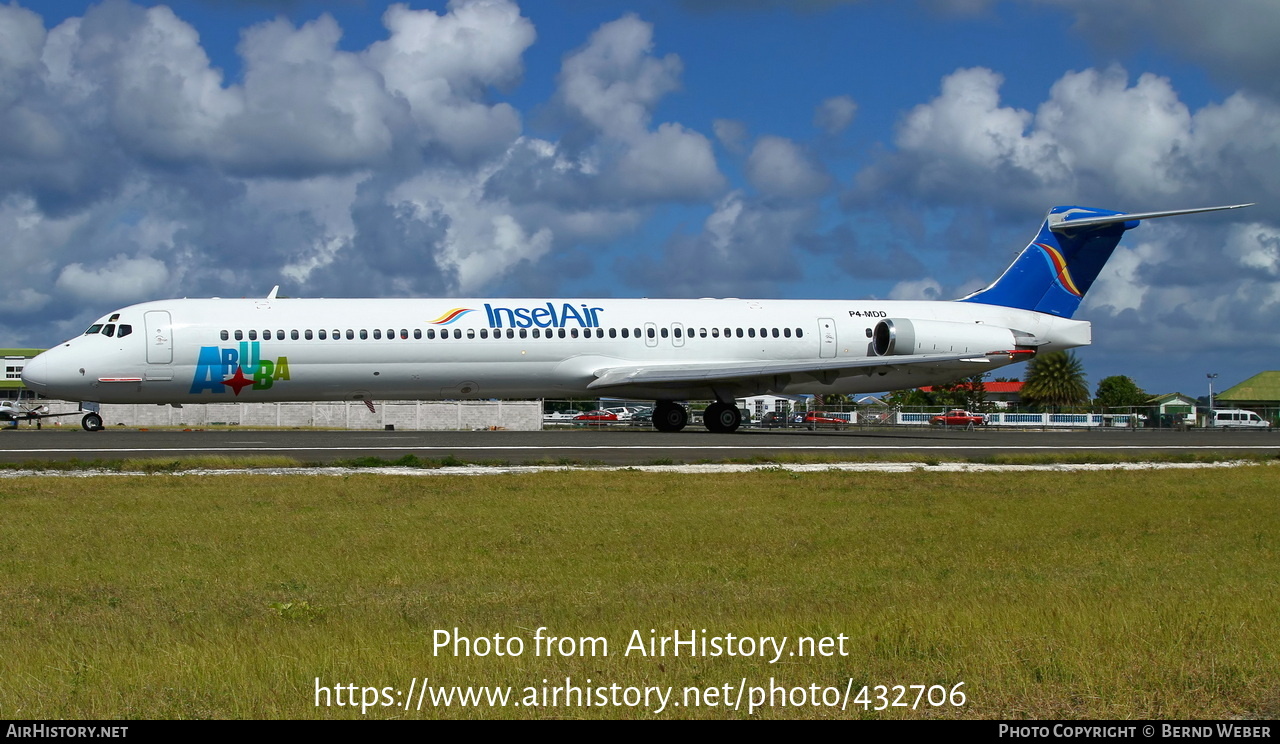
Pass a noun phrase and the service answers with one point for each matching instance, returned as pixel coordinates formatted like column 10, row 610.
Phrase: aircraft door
column 159, row 337
column 826, row 338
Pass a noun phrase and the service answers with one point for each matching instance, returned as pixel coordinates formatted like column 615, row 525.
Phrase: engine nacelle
column 898, row 336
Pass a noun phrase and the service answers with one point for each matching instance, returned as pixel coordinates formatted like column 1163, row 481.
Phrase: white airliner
column 272, row 349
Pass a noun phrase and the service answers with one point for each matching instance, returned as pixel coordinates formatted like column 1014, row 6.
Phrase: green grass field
column 1083, row 595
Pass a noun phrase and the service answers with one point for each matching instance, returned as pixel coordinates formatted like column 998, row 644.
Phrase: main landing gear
column 722, row 418
column 719, row 418
column 669, row 416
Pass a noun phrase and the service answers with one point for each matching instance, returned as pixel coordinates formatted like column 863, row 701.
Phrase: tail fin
column 1052, row 274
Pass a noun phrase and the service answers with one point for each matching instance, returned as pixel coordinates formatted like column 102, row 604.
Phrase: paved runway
column 612, row 447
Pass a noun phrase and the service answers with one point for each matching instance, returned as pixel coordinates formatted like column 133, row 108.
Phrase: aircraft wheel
column 91, row 422
column 669, row 416
column 722, row 418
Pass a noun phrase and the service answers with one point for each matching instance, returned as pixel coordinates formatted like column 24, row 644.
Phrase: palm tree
column 1057, row 380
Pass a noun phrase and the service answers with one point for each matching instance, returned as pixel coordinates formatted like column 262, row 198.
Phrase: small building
column 11, row 386
column 1258, row 393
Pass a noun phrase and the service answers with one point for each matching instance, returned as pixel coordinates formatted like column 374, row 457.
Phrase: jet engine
column 899, row 336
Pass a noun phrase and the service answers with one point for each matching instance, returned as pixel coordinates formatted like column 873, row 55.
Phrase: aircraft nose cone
column 35, row 374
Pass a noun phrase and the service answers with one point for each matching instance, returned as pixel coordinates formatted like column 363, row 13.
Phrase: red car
column 595, row 417
column 814, row 419
column 959, row 417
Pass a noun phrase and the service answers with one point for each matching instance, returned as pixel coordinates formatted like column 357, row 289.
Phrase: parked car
column 958, row 417
column 773, row 420
column 815, row 419
column 595, row 417
column 624, row 413
column 642, row 417
column 560, row 417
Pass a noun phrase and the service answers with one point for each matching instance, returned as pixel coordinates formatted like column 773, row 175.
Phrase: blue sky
column 660, row 148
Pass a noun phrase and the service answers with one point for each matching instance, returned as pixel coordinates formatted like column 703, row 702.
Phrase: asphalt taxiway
column 612, row 447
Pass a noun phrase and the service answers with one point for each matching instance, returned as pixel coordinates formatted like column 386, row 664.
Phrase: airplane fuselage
column 212, row 350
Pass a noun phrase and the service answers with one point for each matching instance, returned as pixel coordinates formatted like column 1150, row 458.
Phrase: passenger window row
column 497, row 333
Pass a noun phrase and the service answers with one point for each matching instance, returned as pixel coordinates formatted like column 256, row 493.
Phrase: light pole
column 1212, row 376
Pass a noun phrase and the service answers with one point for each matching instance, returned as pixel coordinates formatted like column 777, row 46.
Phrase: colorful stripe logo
column 451, row 316
column 1060, row 266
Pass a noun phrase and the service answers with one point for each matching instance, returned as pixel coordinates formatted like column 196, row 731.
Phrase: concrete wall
column 412, row 415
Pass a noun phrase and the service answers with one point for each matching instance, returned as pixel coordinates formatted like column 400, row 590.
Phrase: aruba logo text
column 218, row 369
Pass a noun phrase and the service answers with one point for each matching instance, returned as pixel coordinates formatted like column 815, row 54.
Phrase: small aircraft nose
column 35, row 374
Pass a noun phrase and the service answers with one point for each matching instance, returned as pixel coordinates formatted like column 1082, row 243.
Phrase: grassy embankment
column 1110, row 594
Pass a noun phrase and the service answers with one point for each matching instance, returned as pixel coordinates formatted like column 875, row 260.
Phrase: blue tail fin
column 1052, row 274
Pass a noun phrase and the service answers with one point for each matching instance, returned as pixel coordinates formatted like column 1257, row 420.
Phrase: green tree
column 1120, row 391
column 1056, row 380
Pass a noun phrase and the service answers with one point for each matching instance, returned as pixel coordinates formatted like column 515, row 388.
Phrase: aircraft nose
column 35, row 374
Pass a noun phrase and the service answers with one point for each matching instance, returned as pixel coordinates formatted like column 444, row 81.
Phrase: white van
column 1238, row 418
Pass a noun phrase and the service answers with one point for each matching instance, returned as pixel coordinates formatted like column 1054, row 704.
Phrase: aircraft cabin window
column 125, row 330
column 404, row 334
column 266, row 335
column 280, row 334
column 751, row 332
column 417, row 333
column 431, row 333
column 457, row 333
column 560, row 332
column 702, row 333
column 377, row 333
column 715, row 333
column 786, row 332
column 613, row 333
column 239, row 335
column 626, row 333
column 294, row 334
column 739, row 330
column 350, row 334
column 307, row 334
column 799, row 333
column 364, row 335
column 391, row 333
column 573, row 332
column 225, row 336
column 471, row 333
column 524, row 333
column 728, row 332
column 320, row 334
column 253, row 335
column 650, row 333
column 109, row 329
column 775, row 332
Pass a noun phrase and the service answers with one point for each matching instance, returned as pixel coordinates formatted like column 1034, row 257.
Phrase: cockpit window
column 93, row 328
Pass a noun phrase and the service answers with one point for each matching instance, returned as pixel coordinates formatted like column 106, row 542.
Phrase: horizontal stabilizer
column 1068, row 221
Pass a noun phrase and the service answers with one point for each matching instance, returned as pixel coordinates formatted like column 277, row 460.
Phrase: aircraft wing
column 729, row 372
